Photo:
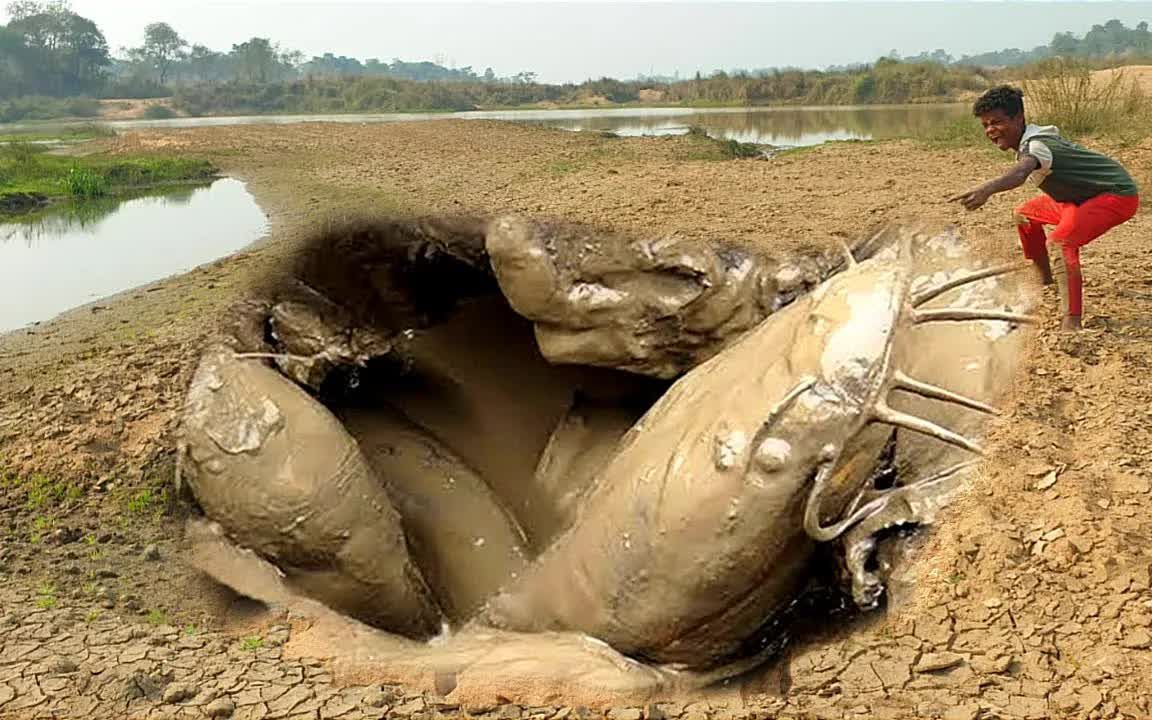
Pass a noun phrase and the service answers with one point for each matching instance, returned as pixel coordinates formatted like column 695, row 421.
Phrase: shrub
column 84, row 183
column 1065, row 94
column 34, row 107
column 22, row 154
column 82, row 107
column 158, row 112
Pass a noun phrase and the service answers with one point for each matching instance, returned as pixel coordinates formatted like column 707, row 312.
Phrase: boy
column 1085, row 193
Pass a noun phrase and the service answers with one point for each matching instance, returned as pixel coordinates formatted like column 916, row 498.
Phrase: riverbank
column 32, row 175
column 1033, row 595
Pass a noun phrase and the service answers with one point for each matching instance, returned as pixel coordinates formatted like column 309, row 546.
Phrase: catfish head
column 701, row 528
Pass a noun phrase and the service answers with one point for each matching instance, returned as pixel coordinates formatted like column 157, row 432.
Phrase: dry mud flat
column 1031, row 599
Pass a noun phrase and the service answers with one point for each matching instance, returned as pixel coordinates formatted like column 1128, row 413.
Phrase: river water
column 80, row 252
column 778, row 126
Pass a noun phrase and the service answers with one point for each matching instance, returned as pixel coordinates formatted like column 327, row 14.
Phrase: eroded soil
column 1032, row 599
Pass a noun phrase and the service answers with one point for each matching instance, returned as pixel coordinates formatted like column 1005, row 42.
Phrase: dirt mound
column 136, row 109
column 1139, row 76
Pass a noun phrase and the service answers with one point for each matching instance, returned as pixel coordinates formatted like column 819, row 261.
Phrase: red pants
column 1076, row 226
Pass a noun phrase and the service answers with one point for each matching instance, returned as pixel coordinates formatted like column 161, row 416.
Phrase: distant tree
column 291, row 60
column 259, row 60
column 53, row 50
column 1064, row 43
column 1143, row 38
column 203, row 64
column 254, row 59
column 14, row 59
column 938, row 56
column 489, row 76
column 162, row 48
column 23, row 8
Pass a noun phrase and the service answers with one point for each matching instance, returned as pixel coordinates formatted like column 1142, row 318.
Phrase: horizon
column 668, row 39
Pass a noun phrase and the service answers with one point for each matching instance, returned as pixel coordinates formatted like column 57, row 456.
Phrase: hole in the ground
column 482, row 443
column 484, row 447
column 404, row 444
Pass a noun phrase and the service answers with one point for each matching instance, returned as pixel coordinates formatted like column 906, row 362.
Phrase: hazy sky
column 565, row 41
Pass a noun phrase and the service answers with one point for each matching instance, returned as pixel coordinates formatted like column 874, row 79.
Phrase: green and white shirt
column 1069, row 172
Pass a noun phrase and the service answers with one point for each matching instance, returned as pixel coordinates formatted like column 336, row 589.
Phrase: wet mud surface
column 1031, row 599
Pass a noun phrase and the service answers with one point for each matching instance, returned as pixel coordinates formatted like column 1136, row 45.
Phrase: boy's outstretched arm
column 1014, row 178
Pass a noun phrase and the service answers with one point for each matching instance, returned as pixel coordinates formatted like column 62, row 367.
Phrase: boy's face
column 1003, row 129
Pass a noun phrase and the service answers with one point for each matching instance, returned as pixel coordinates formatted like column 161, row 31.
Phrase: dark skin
column 1005, row 132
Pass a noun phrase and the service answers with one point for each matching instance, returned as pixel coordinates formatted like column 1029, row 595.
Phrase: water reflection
column 781, row 126
column 57, row 220
column 78, row 252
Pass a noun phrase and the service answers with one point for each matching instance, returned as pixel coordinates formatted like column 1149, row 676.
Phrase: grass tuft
column 1064, row 93
column 27, row 168
column 85, row 183
column 46, row 597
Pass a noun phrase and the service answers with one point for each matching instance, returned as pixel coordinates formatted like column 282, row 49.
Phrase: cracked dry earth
column 1030, row 599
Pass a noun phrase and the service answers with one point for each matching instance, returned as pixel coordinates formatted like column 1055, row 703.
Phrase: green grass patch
column 85, row 183
column 43, row 493
column 67, row 133
column 158, row 112
column 252, row 643
column 40, row 525
column 959, row 133
column 820, row 147
column 46, row 597
column 705, row 147
column 736, row 149
column 156, row 617
column 563, row 167
column 27, row 168
column 148, row 502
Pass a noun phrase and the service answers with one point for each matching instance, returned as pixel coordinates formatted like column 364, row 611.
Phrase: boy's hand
column 972, row 199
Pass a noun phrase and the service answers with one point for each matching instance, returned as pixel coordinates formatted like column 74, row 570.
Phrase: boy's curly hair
column 1002, row 97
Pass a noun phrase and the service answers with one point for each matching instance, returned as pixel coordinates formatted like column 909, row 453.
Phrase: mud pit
column 467, row 434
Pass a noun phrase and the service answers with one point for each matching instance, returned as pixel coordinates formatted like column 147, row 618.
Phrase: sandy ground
column 1138, row 75
column 131, row 109
column 1033, row 597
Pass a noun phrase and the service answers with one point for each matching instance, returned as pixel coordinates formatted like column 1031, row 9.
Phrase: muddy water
column 533, row 431
column 77, row 253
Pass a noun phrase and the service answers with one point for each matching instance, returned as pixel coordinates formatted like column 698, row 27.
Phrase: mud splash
column 470, row 425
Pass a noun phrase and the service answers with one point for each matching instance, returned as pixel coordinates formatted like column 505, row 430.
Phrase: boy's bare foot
column 1046, row 277
column 1071, row 323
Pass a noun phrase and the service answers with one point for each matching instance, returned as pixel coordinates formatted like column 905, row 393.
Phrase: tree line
column 46, row 49
column 1113, row 39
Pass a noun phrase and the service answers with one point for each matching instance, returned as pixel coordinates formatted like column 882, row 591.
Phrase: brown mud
column 1031, row 598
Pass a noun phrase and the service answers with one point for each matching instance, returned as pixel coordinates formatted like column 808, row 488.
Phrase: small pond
column 75, row 253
